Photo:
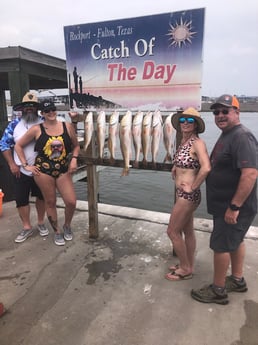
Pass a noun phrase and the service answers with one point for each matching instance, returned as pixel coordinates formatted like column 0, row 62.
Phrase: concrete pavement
column 112, row 290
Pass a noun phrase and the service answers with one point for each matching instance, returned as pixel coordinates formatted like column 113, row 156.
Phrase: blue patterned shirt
column 7, row 141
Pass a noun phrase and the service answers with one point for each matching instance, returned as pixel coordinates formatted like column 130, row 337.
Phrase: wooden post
column 92, row 181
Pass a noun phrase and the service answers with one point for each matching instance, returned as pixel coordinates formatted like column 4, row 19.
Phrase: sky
column 230, row 50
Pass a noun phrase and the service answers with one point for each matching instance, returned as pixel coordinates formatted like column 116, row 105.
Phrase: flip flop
column 174, row 267
column 173, row 276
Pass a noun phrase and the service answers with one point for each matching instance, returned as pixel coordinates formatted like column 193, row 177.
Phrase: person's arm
column 205, row 165
column 14, row 168
column 29, row 136
column 6, row 145
column 76, row 148
column 245, row 185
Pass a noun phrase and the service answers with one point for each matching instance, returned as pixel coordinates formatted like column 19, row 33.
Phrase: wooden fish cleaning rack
column 89, row 160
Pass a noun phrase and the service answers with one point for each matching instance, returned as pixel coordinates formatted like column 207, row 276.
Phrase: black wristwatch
column 234, row 207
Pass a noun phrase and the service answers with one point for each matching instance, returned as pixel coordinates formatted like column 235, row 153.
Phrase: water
column 153, row 190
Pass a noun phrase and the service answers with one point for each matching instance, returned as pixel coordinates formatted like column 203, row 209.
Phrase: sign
column 147, row 63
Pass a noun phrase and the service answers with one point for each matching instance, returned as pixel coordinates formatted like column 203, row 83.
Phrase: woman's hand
column 72, row 166
column 33, row 169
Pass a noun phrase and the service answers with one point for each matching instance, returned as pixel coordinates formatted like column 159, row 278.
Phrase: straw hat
column 28, row 98
column 189, row 112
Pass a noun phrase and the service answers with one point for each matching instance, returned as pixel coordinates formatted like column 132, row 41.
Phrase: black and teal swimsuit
column 53, row 152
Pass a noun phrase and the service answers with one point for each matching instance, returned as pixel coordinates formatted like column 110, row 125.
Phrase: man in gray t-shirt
column 231, row 199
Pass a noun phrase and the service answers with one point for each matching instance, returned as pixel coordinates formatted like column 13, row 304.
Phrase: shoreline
column 248, row 107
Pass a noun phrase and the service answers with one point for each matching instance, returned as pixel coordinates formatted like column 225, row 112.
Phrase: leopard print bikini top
column 182, row 158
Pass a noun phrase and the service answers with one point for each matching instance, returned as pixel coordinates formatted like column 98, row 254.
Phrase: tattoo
column 53, row 223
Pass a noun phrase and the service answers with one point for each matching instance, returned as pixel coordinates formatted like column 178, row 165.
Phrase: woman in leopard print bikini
column 191, row 165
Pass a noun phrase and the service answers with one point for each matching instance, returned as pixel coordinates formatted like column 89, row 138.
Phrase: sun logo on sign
column 181, row 33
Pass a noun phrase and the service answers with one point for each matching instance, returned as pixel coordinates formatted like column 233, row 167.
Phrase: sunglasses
column 30, row 105
column 57, row 146
column 49, row 110
column 186, row 119
column 223, row 111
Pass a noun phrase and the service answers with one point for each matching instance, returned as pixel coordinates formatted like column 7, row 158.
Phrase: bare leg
column 190, row 242
column 181, row 217
column 68, row 196
column 40, row 206
column 237, row 261
column 24, row 213
column 221, row 264
column 47, row 184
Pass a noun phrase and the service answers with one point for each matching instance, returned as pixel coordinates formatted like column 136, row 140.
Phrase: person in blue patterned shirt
column 24, row 181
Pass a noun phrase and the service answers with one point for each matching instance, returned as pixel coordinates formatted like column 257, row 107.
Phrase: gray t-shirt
column 234, row 150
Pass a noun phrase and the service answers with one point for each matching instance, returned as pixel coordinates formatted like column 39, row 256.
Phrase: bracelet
column 25, row 165
column 76, row 157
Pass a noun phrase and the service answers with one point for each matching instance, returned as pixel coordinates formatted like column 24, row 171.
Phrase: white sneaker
column 23, row 235
column 43, row 230
column 59, row 240
column 68, row 235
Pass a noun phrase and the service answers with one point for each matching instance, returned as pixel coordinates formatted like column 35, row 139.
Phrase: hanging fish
column 168, row 138
column 137, row 137
column 112, row 134
column 125, row 134
column 146, row 136
column 156, row 135
column 101, row 132
column 88, row 130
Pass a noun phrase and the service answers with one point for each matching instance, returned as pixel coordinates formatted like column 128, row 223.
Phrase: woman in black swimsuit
column 191, row 165
column 57, row 152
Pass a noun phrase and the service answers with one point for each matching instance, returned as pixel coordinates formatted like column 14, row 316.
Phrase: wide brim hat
column 190, row 112
column 28, row 99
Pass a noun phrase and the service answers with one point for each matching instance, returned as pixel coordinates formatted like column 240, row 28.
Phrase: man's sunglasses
column 186, row 119
column 49, row 109
column 30, row 105
column 223, row 111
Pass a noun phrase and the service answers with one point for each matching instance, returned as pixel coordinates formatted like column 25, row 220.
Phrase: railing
column 90, row 164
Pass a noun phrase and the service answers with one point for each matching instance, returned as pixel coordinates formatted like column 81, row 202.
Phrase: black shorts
column 24, row 186
column 226, row 237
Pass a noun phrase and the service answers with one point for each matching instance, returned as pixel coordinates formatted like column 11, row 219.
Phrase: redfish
column 125, row 134
column 88, row 130
column 168, row 138
column 137, row 137
column 112, row 134
column 146, row 136
column 101, row 132
column 156, row 135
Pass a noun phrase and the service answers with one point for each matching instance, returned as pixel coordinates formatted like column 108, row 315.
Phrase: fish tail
column 125, row 172
column 168, row 158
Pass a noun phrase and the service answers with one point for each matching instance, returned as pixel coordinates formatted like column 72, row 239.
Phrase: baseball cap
column 227, row 101
column 46, row 105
